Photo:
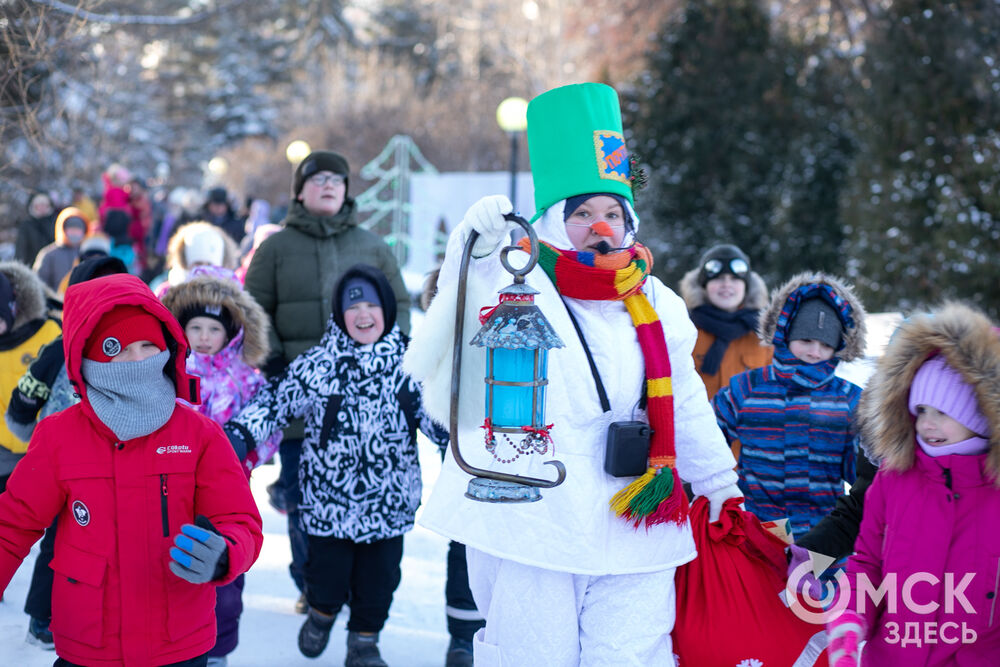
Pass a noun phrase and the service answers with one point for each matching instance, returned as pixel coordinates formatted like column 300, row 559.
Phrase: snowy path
column 415, row 635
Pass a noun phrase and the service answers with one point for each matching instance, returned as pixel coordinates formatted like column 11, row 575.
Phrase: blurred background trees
column 855, row 136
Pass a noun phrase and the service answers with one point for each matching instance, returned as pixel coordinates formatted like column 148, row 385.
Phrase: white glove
column 718, row 497
column 486, row 217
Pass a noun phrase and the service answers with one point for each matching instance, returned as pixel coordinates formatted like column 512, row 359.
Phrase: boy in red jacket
column 151, row 501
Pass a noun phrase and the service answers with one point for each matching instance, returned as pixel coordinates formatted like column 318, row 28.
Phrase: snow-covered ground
column 415, row 635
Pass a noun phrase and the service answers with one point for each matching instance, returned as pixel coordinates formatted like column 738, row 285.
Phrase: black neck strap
column 601, row 393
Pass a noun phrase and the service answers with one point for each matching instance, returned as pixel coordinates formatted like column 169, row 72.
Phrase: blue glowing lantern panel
column 515, row 375
column 511, row 406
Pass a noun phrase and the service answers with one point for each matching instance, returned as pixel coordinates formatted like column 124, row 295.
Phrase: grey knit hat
column 817, row 320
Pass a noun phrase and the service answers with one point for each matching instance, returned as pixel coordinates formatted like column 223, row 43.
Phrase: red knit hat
column 119, row 328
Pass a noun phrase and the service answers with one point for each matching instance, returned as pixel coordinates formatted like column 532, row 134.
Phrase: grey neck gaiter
column 132, row 398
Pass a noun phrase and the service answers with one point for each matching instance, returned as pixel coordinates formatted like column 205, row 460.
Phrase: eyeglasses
column 329, row 178
column 713, row 268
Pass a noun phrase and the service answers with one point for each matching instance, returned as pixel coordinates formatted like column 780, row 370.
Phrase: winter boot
column 362, row 651
column 39, row 634
column 459, row 653
column 315, row 633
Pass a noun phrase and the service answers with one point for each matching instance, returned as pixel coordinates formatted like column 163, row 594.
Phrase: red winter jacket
column 119, row 504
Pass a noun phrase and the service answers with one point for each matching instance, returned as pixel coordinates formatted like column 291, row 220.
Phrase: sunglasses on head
column 713, row 268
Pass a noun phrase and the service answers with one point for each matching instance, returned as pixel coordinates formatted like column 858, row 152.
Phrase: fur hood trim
column 695, row 295
column 29, row 293
column 229, row 295
column 771, row 327
column 175, row 249
column 970, row 344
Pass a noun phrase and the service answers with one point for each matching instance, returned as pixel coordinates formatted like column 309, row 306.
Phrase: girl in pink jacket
column 925, row 575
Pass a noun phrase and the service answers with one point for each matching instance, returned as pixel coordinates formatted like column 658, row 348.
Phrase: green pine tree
column 923, row 205
column 747, row 142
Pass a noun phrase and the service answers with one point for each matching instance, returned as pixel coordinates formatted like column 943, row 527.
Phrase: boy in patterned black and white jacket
column 359, row 473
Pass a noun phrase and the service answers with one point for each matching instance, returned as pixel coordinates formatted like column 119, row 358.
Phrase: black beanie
column 96, row 267
column 316, row 162
column 725, row 253
column 8, row 302
column 217, row 312
column 218, row 196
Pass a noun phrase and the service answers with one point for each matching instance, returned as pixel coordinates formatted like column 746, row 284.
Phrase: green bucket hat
column 576, row 144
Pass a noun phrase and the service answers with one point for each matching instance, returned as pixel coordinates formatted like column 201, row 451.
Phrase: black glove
column 200, row 554
column 237, row 441
column 240, row 439
column 275, row 366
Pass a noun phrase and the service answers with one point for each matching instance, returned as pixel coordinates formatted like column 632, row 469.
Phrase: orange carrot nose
column 602, row 229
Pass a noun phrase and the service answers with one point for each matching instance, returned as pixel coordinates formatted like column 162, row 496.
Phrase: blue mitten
column 201, row 554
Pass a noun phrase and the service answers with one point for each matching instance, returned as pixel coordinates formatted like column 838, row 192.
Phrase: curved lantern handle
column 456, row 363
column 529, row 231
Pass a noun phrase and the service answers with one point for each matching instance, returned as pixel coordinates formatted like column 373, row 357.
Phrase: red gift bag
column 730, row 609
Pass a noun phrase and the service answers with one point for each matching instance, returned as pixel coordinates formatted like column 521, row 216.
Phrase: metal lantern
column 517, row 338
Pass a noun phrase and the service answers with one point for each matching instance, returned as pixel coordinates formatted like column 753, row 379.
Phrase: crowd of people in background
column 133, row 222
column 251, row 332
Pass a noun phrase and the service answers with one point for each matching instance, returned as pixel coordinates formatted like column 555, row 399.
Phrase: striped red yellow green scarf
column 656, row 496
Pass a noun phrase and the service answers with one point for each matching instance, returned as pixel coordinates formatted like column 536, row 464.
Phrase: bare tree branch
column 136, row 19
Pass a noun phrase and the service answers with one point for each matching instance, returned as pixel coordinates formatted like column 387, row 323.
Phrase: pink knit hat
column 940, row 386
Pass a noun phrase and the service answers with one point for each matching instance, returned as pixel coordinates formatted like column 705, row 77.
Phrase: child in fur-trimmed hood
column 228, row 363
column 791, row 419
column 227, row 332
column 930, row 415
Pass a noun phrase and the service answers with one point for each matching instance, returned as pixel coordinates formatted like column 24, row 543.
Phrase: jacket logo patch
column 612, row 156
column 81, row 513
column 111, row 346
column 173, row 449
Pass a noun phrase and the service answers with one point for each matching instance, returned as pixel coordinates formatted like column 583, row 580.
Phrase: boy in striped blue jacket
column 790, row 423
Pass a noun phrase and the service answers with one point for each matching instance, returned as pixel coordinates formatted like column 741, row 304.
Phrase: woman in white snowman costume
column 584, row 576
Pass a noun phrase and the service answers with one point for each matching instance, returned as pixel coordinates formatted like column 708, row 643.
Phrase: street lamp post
column 512, row 117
